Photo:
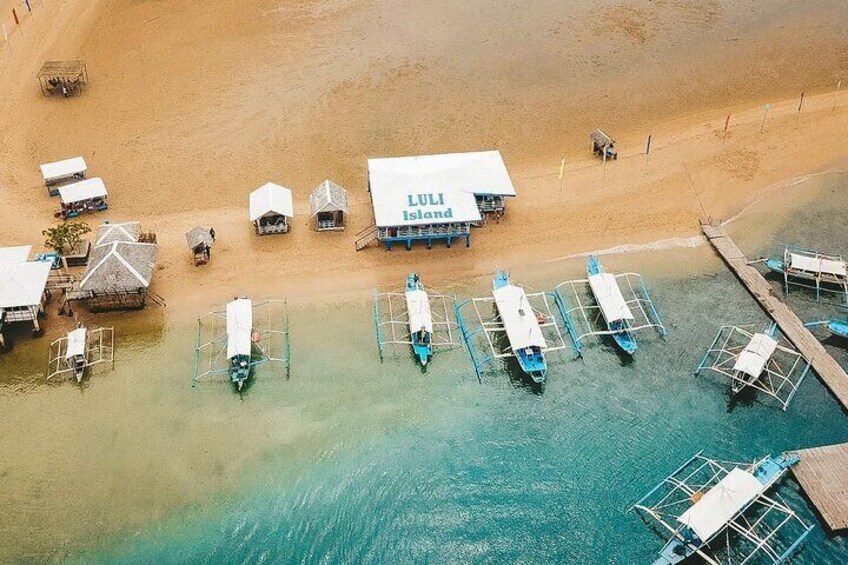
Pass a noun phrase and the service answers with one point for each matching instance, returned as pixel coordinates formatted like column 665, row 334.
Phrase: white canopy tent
column 18, row 254
column 418, row 307
column 609, row 298
column 23, row 284
column 271, row 198
column 721, row 503
column 818, row 265
column 76, row 344
column 519, row 319
column 239, row 327
column 83, row 190
column 753, row 358
column 64, row 169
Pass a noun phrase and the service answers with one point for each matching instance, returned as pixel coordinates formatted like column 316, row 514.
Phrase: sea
column 351, row 459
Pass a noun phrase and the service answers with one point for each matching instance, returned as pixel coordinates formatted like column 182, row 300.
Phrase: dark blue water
column 436, row 468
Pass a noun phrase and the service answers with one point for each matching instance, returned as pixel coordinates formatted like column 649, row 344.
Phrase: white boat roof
column 63, row 169
column 22, row 284
column 418, row 307
column 721, row 503
column 818, row 264
column 608, row 296
column 519, row 319
column 239, row 327
column 271, row 198
column 753, row 358
column 17, row 254
column 454, row 176
column 76, row 343
column 82, row 190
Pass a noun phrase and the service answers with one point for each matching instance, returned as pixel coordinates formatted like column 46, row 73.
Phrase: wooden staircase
column 366, row 237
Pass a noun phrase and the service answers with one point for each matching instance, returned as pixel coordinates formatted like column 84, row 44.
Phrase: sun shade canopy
column 418, row 306
column 519, row 319
column 609, row 298
column 76, row 343
column 818, row 265
column 63, row 169
column 82, row 190
column 721, row 503
column 753, row 358
column 271, row 198
column 239, row 327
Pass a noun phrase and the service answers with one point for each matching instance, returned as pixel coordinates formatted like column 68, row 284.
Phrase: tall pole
column 798, row 113
column 835, row 96
column 561, row 173
column 763, row 124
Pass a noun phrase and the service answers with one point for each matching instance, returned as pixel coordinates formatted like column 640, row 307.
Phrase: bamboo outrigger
column 823, row 273
column 720, row 511
column 81, row 349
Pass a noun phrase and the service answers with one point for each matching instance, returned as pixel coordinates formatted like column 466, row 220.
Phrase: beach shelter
column 60, row 172
column 271, row 207
column 87, row 195
column 199, row 241
column 329, row 206
column 23, row 287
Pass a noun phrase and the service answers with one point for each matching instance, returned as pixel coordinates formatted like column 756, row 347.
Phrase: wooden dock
column 790, row 325
column 823, row 474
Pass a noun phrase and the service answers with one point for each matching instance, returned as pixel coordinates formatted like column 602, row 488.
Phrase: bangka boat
column 613, row 306
column 76, row 353
column 239, row 340
column 751, row 362
column 824, row 272
column 714, row 510
column 420, row 318
column 522, row 327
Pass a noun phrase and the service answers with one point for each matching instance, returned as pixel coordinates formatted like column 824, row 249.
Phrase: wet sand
column 193, row 105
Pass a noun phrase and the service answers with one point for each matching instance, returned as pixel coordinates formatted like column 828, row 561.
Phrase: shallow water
column 383, row 463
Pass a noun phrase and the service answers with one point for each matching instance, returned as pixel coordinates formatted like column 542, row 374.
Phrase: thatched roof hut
column 329, row 206
column 126, row 232
column 198, row 236
column 119, row 267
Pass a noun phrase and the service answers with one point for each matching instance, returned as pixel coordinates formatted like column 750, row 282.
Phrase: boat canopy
column 818, row 265
column 17, row 254
column 519, row 319
column 239, row 327
column 755, row 355
column 76, row 343
column 23, row 284
column 82, row 190
column 271, row 198
column 721, row 503
column 63, row 169
column 609, row 297
column 418, row 306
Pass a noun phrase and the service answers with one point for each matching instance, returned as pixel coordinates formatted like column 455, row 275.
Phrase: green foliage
column 66, row 236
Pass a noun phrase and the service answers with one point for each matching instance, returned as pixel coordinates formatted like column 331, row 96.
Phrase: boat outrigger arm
column 706, row 501
column 620, row 302
column 79, row 350
column 236, row 340
column 523, row 326
column 757, row 358
column 835, row 326
column 823, row 273
column 415, row 317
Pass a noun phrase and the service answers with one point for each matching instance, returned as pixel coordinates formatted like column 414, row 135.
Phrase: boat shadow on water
column 519, row 379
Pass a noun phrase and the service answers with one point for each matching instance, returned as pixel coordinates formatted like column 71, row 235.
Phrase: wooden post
column 726, row 126
column 835, row 96
column 763, row 124
column 561, row 173
column 798, row 113
column 15, row 15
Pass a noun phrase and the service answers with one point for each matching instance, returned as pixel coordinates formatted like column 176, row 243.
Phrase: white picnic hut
column 271, row 208
column 329, row 206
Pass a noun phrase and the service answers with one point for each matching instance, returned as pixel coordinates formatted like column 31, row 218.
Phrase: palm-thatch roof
column 120, row 267
column 110, row 233
column 198, row 236
column 328, row 197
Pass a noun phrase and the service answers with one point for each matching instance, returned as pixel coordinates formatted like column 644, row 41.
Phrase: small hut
column 62, row 77
column 23, row 291
column 199, row 242
column 63, row 172
column 120, row 269
column 271, row 208
column 81, row 197
column 329, row 206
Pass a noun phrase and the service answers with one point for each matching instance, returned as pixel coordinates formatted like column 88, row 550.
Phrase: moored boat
column 420, row 318
column 522, row 327
column 612, row 304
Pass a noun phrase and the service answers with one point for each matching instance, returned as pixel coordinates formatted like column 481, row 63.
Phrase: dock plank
column 825, row 366
column 823, row 474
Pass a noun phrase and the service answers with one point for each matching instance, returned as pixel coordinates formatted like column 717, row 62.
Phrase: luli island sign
column 430, row 206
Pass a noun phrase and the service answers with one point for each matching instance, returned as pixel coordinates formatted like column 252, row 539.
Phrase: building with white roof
column 18, row 254
column 271, row 207
column 432, row 197
column 23, row 287
column 59, row 172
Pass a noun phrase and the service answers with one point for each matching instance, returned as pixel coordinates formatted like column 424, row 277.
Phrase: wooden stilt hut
column 271, row 208
column 329, row 206
column 199, row 240
column 120, row 269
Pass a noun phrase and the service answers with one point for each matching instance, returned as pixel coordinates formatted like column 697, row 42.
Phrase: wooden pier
column 823, row 474
column 790, row 325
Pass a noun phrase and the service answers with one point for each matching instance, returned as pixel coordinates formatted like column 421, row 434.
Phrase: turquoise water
column 436, row 468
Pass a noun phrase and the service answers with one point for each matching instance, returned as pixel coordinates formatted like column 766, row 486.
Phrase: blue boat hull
column 838, row 328
column 239, row 369
column 421, row 346
column 622, row 335
column 533, row 362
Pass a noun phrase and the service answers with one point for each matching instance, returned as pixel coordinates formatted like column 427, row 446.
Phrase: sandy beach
column 192, row 105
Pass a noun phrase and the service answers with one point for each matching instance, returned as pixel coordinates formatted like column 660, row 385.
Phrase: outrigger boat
column 824, row 272
column 522, row 327
column 613, row 306
column 751, row 362
column 76, row 356
column 714, row 510
column 80, row 349
column 240, row 340
column 836, row 327
column 420, row 318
